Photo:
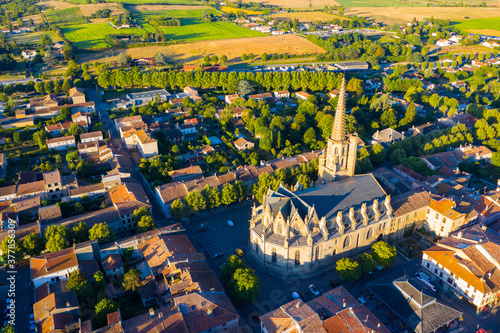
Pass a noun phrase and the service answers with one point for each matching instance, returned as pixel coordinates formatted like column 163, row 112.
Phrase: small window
column 297, row 258
column 273, row 256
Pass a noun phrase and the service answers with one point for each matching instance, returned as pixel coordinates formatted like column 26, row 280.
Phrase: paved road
column 24, row 296
column 100, row 107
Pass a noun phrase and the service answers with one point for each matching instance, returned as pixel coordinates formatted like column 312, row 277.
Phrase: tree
column 79, row 284
column 146, row 223
column 367, row 263
column 245, row 88
column 66, row 86
column 102, row 309
column 33, row 245
column 132, row 280
column 223, row 59
column 251, row 56
column 348, row 269
column 495, row 159
column 206, row 60
column 45, row 40
column 102, row 232
column 264, row 56
column 100, row 282
column 57, row 237
column 48, row 86
column 377, row 155
column 72, row 156
column 340, row 11
column 397, row 156
column 80, row 232
column 230, row 266
column 178, row 209
column 384, row 253
column 39, row 86
column 12, row 249
column 123, row 59
column 40, row 136
column 215, row 59
column 196, row 201
column 160, row 59
column 244, row 57
column 75, row 129
column 212, row 196
column 310, row 137
column 139, row 213
column 228, row 194
column 244, row 285
column 49, row 57
column 7, row 329
column 17, row 137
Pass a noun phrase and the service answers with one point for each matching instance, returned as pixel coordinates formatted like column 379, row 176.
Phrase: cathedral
column 305, row 232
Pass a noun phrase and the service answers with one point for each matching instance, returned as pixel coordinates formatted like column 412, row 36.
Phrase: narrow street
column 101, row 108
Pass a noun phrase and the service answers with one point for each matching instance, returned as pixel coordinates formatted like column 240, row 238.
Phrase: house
column 459, row 84
column 90, row 137
column 373, row 84
column 352, row 65
column 466, row 264
column 112, row 264
column 476, row 153
column 28, row 54
column 146, row 145
column 262, row 96
column 61, row 143
column 143, row 62
column 242, row 144
column 238, row 111
column 428, row 85
column 442, row 218
column 282, row 94
column 189, row 173
column 49, row 214
column 81, row 118
column 491, row 44
column 55, row 304
column 387, row 136
column 77, row 95
column 40, row 103
column 443, row 42
column 206, row 312
column 229, row 99
column 302, row 95
column 145, row 97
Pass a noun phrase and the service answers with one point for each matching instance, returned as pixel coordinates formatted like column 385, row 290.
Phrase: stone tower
column 339, row 157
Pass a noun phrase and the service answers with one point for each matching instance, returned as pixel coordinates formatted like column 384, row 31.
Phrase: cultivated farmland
column 86, row 9
column 66, row 16
column 297, row 3
column 226, row 9
column 91, row 36
column 309, row 16
column 232, row 48
column 487, row 26
column 32, row 37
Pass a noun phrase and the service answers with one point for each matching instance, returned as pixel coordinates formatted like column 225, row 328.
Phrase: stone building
column 304, row 232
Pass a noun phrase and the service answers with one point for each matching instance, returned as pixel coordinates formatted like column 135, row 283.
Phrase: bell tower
column 339, row 157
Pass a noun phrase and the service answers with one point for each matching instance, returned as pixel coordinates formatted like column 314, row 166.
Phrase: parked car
column 303, row 297
column 314, row 290
column 334, row 284
column 295, row 295
column 240, row 252
column 218, row 255
column 230, row 223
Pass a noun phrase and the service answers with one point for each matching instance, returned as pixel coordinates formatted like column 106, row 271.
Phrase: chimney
column 210, row 312
column 151, row 312
column 297, row 305
column 68, row 304
column 460, row 234
column 343, row 303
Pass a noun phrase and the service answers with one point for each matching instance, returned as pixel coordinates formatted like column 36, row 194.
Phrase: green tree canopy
column 367, row 263
column 196, row 201
column 102, row 309
column 348, row 269
column 79, row 284
column 228, row 194
column 230, row 266
column 80, row 232
column 33, row 245
column 384, row 253
column 57, row 238
column 244, row 285
column 146, row 223
column 139, row 213
column 12, row 249
column 102, row 232
column 132, row 280
column 178, row 209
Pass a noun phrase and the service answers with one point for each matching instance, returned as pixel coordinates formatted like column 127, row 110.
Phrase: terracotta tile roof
column 7, row 190
column 240, row 142
column 355, row 319
column 61, row 139
column 164, row 320
column 409, row 202
column 49, row 214
column 277, row 321
column 227, row 178
column 445, row 207
column 53, row 262
column 114, row 317
column 42, row 291
column 194, row 170
column 22, row 231
column 27, row 205
column 128, row 119
column 91, row 135
column 88, row 268
column 302, row 93
column 109, row 215
column 194, row 277
column 75, row 91
column 55, row 301
column 56, row 322
column 111, row 261
column 86, row 189
column 195, row 310
column 30, row 188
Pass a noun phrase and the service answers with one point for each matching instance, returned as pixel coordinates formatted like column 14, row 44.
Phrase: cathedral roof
column 287, row 203
column 342, row 194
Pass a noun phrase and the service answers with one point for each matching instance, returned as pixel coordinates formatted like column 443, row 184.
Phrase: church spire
column 338, row 131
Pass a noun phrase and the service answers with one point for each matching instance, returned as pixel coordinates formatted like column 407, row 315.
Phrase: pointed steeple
column 338, row 131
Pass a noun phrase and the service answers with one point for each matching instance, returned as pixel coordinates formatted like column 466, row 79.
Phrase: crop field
column 148, row 8
column 391, row 15
column 309, row 16
column 487, row 26
column 194, row 30
column 232, row 48
column 404, row 3
column 229, row 10
column 297, row 3
column 37, row 19
column 66, row 16
column 91, row 36
column 141, row 16
column 32, row 37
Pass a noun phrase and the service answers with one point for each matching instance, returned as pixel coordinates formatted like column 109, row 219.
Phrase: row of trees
column 241, row 282
column 382, row 254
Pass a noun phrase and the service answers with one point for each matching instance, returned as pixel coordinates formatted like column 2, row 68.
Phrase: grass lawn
column 15, row 73
column 66, row 16
column 488, row 26
column 194, row 30
column 91, row 36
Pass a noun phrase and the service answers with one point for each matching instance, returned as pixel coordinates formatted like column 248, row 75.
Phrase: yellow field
column 232, row 48
column 146, row 8
column 37, row 19
column 391, row 15
column 87, row 9
column 235, row 10
column 309, row 16
column 297, row 3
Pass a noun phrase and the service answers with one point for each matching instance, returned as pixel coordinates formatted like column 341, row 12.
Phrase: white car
column 314, row 290
column 296, row 295
column 230, row 223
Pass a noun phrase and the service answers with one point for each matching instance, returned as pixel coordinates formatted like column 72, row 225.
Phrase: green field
column 188, row 13
column 488, row 26
column 91, row 36
column 400, row 3
column 194, row 30
column 33, row 37
column 66, row 16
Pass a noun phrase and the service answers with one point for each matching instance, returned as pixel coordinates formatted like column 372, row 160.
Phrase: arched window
column 336, row 151
column 347, row 241
column 369, row 234
column 273, row 256
column 297, row 258
column 316, row 255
